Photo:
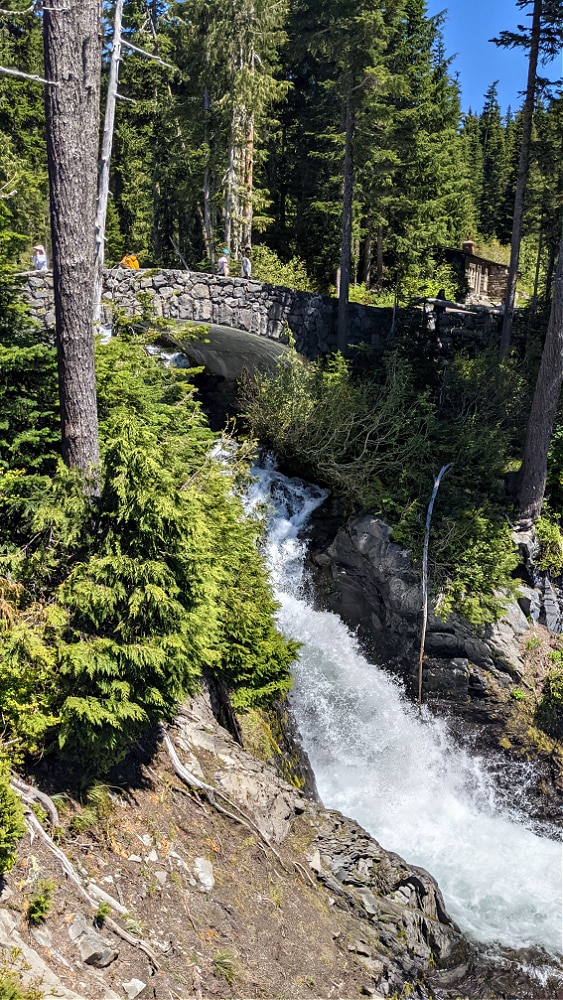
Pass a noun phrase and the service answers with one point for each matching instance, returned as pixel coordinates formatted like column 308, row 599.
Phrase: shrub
column 365, row 439
column 549, row 713
column 372, row 433
column 40, row 904
column 267, row 267
column 11, row 989
column 551, row 541
column 12, row 825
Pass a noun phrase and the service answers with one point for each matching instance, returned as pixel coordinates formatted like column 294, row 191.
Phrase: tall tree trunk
column 105, row 159
column 346, row 251
column 522, row 179
column 72, row 46
column 207, row 222
column 379, row 271
column 247, row 184
column 533, row 474
column 365, row 256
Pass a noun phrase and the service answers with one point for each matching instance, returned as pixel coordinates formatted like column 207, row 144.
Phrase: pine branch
column 18, row 13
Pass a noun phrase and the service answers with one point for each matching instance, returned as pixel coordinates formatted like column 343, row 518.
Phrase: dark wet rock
column 401, row 902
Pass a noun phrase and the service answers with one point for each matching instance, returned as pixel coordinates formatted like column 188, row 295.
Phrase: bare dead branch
column 149, row 55
column 28, row 76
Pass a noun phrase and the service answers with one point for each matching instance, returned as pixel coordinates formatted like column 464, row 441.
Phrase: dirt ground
column 264, row 930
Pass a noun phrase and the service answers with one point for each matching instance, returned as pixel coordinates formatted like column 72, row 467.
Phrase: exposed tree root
column 210, row 792
column 35, row 827
column 30, row 794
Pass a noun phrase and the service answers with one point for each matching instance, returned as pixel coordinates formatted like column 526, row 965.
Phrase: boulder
column 93, row 948
column 372, row 583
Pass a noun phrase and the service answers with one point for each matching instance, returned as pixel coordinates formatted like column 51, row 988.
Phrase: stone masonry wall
column 246, row 305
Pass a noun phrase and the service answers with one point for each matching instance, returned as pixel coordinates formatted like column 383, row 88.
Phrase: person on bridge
column 245, row 264
column 39, row 258
column 223, row 264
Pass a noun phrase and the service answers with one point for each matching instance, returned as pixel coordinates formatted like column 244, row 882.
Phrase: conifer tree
column 542, row 39
column 493, row 179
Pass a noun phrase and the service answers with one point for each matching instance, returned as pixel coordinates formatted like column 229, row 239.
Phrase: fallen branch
column 35, row 795
column 34, row 826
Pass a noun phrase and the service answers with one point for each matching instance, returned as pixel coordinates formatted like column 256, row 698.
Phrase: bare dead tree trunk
column 72, row 46
column 230, row 191
column 365, row 257
column 247, row 184
column 346, row 250
column 522, row 180
column 105, row 159
column 437, row 482
column 207, row 221
column 533, row 474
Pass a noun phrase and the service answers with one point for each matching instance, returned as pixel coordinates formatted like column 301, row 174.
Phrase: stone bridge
column 265, row 310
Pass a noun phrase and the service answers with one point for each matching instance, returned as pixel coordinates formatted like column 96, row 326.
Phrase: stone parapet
column 266, row 310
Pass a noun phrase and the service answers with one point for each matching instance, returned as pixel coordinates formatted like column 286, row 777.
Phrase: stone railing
column 265, row 310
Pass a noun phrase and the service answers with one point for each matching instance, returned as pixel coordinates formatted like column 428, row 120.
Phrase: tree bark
column 72, row 46
column 522, row 179
column 346, row 251
column 105, row 159
column 533, row 474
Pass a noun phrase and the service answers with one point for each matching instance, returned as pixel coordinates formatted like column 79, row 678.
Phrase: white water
column 398, row 775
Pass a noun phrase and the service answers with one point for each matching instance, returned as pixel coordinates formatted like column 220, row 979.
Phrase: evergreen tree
column 493, row 181
column 542, row 40
column 23, row 158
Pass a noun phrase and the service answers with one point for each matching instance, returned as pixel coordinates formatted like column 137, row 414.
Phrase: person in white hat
column 39, row 257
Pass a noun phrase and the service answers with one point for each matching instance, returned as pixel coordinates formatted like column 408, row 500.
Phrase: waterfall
column 398, row 772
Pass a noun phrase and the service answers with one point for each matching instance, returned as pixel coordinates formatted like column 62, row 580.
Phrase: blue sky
column 469, row 24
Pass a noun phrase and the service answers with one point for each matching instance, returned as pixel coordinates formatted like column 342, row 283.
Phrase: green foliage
column 367, row 439
column 478, row 564
column 41, row 902
column 551, row 541
column 103, row 911
column 549, row 713
column 29, row 429
column 112, row 608
column 267, row 267
column 12, row 825
column 373, row 433
column 12, row 989
column 225, row 965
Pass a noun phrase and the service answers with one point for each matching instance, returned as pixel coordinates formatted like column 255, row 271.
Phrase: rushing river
column 398, row 773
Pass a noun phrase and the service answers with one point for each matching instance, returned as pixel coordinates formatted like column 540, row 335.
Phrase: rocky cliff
column 253, row 892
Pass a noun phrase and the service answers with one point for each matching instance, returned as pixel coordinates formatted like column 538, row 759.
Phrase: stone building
column 482, row 282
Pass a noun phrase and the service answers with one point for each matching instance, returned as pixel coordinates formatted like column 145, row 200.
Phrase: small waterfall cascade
column 398, row 772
